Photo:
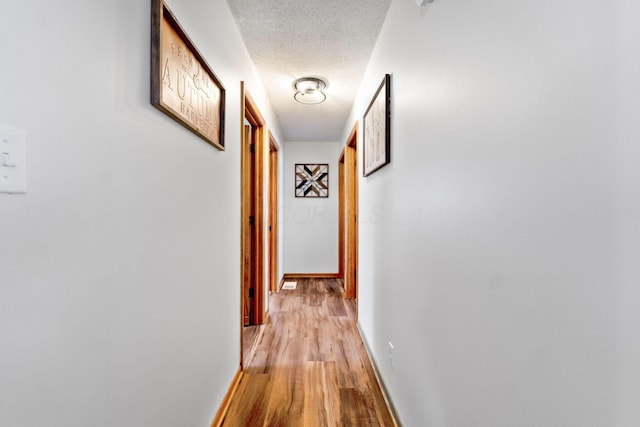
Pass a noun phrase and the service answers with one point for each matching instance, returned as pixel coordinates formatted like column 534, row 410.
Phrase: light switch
column 13, row 160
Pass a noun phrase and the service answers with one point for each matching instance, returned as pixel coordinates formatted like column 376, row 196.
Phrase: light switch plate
column 13, row 160
column 423, row 2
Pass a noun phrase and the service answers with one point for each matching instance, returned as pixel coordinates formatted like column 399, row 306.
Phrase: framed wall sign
column 182, row 83
column 312, row 180
column 376, row 132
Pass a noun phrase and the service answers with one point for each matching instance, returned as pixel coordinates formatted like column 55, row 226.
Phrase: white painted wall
column 119, row 269
column 504, row 262
column 310, row 225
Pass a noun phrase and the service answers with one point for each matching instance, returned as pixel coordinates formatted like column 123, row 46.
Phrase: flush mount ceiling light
column 309, row 90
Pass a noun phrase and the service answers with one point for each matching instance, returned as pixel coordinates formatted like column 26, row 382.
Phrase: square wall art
column 312, row 180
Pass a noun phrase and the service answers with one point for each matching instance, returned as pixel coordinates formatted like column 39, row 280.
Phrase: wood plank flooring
column 309, row 367
column 248, row 341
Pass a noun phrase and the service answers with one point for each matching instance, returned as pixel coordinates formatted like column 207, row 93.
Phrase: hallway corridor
column 309, row 366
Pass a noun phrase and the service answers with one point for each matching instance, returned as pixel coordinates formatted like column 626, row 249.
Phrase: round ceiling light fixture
column 310, row 90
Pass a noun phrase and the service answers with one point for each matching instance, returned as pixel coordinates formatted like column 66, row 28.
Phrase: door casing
column 348, row 209
column 252, row 213
column 273, row 213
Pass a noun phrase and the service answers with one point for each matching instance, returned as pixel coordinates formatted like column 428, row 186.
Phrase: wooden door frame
column 247, row 236
column 341, row 217
column 273, row 213
column 252, row 114
column 348, row 230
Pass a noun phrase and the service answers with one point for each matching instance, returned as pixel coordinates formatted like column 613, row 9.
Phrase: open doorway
column 348, row 213
column 252, row 224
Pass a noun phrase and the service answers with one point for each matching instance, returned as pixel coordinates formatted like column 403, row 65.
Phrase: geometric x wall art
column 312, row 180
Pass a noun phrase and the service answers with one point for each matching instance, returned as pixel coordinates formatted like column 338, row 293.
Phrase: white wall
column 626, row 241
column 310, row 225
column 504, row 264
column 119, row 269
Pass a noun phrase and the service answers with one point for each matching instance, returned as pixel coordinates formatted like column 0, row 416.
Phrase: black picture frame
column 376, row 129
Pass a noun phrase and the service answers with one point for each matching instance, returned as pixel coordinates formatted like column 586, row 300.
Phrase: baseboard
column 383, row 388
column 288, row 276
column 226, row 401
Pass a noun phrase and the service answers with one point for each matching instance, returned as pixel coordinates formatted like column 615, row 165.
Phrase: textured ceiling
column 330, row 39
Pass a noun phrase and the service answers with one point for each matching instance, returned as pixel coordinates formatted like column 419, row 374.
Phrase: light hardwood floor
column 309, row 367
column 249, row 340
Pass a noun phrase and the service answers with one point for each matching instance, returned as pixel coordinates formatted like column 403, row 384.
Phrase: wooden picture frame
column 183, row 85
column 376, row 129
column 312, row 180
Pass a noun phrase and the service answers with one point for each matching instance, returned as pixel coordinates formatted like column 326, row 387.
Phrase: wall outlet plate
column 13, row 159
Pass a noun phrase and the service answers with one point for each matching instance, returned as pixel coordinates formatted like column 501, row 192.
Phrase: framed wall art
column 182, row 84
column 376, row 134
column 312, row 180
